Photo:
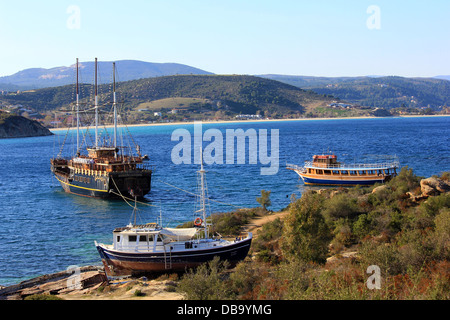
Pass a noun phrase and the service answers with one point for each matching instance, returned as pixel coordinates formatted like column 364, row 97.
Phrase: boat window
column 327, row 171
column 319, row 171
column 158, row 238
column 344, row 172
column 118, row 238
column 132, row 238
column 143, row 238
column 336, row 172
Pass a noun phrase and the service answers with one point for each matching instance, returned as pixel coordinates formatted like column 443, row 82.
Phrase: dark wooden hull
column 111, row 185
column 120, row 263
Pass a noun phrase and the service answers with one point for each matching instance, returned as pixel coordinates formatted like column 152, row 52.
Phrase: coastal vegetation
column 329, row 238
column 393, row 92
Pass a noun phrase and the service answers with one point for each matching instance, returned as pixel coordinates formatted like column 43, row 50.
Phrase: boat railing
column 350, row 166
column 294, row 167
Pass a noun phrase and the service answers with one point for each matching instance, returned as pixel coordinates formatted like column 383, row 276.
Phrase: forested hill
column 378, row 92
column 236, row 93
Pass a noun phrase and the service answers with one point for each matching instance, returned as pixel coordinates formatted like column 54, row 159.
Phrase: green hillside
column 234, row 94
column 378, row 92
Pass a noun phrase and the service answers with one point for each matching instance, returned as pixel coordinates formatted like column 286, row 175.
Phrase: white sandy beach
column 249, row 121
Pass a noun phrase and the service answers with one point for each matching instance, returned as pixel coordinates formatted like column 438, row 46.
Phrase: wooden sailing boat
column 105, row 169
column 326, row 170
column 138, row 249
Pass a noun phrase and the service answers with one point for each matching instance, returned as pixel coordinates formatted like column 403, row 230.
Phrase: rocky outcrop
column 57, row 283
column 20, row 127
column 434, row 186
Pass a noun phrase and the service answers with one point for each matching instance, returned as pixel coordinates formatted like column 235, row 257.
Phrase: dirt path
column 257, row 223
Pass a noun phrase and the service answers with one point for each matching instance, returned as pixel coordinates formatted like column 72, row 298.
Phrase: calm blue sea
column 45, row 230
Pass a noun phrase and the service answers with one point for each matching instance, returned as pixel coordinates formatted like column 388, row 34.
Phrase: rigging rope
column 228, row 204
column 125, row 198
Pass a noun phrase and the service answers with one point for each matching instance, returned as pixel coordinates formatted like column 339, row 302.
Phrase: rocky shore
column 91, row 283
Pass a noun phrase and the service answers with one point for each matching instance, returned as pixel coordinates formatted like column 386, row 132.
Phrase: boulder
column 434, row 186
column 379, row 188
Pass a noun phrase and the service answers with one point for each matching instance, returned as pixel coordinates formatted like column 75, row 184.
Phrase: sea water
column 45, row 230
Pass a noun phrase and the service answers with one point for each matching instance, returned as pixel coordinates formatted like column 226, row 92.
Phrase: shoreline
column 250, row 121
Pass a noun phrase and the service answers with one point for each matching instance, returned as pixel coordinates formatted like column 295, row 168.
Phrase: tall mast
column 96, row 106
column 203, row 194
column 115, row 109
column 78, row 114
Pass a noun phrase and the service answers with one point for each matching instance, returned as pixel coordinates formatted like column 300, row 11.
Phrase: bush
column 230, row 223
column 43, row 297
column 206, row 282
column 267, row 243
column 340, row 206
column 264, row 200
column 306, row 236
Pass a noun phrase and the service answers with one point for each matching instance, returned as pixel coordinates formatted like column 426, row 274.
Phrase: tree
column 306, row 235
column 264, row 200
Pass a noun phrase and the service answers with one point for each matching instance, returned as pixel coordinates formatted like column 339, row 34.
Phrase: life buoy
column 198, row 222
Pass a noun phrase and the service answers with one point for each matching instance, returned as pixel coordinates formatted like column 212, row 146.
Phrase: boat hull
column 108, row 186
column 120, row 263
column 341, row 181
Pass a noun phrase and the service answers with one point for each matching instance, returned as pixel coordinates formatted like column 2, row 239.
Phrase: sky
column 315, row 38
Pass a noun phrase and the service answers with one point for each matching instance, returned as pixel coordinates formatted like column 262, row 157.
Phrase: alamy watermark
column 189, row 148
column 374, row 281
column 373, row 22
column 73, row 22
column 74, row 280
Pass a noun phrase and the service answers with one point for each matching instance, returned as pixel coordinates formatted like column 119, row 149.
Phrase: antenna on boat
column 96, row 107
column 115, row 109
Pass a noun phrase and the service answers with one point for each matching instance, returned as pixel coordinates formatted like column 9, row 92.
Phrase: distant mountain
column 35, row 78
column 443, row 77
column 382, row 92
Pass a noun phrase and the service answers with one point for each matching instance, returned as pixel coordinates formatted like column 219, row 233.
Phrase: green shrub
column 267, row 243
column 206, row 282
column 340, row 206
column 306, row 235
column 138, row 293
column 43, row 297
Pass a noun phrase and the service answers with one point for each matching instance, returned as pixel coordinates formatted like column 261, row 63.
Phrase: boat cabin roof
column 101, row 152
column 148, row 227
column 324, row 156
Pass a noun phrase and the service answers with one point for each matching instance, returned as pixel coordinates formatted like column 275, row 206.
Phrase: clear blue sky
column 318, row 38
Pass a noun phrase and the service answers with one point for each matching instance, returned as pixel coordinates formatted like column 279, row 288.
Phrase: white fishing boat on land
column 138, row 249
